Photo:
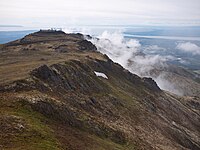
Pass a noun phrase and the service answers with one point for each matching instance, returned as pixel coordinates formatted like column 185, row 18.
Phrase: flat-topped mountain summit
column 50, row 40
column 51, row 97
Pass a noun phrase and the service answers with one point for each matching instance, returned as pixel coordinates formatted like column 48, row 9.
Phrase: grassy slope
column 41, row 132
column 38, row 131
column 28, row 129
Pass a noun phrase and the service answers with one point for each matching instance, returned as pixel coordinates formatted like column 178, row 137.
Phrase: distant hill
column 11, row 26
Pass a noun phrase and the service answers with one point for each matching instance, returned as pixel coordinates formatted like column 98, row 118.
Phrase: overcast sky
column 101, row 12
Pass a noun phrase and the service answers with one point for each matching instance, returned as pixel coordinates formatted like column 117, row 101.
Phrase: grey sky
column 64, row 12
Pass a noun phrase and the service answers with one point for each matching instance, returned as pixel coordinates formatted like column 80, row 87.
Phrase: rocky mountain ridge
column 52, row 99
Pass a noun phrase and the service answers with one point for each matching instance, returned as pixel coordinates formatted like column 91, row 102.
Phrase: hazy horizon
column 62, row 13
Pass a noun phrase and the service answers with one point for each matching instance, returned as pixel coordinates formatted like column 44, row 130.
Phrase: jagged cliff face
column 51, row 98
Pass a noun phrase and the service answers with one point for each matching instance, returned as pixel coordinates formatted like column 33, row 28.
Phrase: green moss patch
column 29, row 132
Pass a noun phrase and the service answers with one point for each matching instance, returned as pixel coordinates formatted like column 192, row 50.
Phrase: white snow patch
column 173, row 123
column 100, row 74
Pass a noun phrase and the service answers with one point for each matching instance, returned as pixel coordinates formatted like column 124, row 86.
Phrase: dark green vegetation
column 50, row 98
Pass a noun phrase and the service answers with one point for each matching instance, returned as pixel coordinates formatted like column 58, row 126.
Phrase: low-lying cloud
column 116, row 47
column 153, row 49
column 127, row 53
column 189, row 47
column 165, row 84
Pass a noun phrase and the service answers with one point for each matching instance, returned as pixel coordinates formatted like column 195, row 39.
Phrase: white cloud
column 165, row 84
column 102, row 11
column 126, row 52
column 153, row 49
column 144, row 64
column 189, row 48
column 116, row 47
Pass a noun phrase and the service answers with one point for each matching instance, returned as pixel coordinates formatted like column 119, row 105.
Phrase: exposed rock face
column 67, row 77
column 62, row 101
column 86, row 45
column 149, row 82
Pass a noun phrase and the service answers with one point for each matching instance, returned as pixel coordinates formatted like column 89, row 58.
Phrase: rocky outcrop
column 69, row 76
column 86, row 45
column 151, row 84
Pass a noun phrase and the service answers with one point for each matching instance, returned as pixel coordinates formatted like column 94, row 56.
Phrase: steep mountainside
column 185, row 82
column 51, row 98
